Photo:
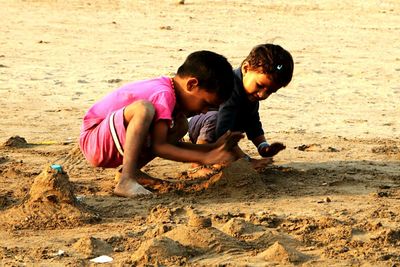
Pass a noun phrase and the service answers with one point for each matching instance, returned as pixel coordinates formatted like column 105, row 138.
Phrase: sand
column 331, row 198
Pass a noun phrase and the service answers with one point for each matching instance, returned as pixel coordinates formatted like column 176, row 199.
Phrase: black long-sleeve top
column 238, row 113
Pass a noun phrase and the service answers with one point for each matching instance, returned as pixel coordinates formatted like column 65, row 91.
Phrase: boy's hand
column 224, row 153
column 271, row 150
column 219, row 155
column 229, row 140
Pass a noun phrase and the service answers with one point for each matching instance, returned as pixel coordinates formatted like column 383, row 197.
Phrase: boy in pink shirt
column 145, row 119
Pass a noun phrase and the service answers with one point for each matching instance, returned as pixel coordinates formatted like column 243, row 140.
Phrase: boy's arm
column 219, row 153
column 198, row 147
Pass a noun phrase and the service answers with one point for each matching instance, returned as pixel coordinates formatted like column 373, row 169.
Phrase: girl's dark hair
column 213, row 72
column 274, row 60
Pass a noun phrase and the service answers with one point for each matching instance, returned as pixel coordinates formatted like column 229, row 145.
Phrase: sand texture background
column 331, row 198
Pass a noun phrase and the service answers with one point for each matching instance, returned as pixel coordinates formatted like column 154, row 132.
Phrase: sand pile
column 162, row 250
column 282, row 254
column 237, row 180
column 91, row 247
column 50, row 203
column 200, row 235
column 75, row 161
column 238, row 227
column 16, row 141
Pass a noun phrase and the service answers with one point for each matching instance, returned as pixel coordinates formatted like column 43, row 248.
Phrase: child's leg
column 202, row 131
column 137, row 118
column 179, row 130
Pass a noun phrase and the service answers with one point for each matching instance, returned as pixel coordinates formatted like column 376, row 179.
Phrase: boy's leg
column 180, row 128
column 202, row 129
column 137, row 118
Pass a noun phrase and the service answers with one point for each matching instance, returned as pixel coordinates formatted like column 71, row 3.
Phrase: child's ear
column 245, row 67
column 192, row 83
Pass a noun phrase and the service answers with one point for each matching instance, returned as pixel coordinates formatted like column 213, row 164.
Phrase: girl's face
column 258, row 85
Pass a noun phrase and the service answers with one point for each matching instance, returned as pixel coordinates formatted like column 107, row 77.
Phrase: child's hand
column 229, row 140
column 271, row 150
column 219, row 155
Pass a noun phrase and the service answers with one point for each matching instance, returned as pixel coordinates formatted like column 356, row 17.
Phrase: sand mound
column 238, row 179
column 16, row 141
column 283, row 254
column 50, row 203
column 237, row 227
column 91, row 247
column 162, row 214
column 196, row 220
column 205, row 239
column 161, row 250
column 75, row 160
column 393, row 237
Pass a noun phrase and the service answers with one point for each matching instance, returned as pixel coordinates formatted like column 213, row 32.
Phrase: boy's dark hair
column 274, row 60
column 213, row 72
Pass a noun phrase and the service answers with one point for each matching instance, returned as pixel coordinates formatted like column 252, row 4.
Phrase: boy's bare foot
column 130, row 188
column 142, row 179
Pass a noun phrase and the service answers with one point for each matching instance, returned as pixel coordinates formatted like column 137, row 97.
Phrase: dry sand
column 331, row 198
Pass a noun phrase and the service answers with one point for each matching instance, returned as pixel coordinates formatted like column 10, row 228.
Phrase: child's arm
column 187, row 153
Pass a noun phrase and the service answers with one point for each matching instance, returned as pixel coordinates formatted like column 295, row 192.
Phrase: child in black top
column 265, row 70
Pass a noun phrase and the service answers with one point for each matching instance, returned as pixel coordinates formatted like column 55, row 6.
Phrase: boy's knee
column 140, row 109
column 145, row 106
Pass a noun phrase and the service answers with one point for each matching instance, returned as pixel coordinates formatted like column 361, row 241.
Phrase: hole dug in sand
column 50, row 203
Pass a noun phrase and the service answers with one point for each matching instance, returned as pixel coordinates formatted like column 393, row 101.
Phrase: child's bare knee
column 141, row 109
column 145, row 106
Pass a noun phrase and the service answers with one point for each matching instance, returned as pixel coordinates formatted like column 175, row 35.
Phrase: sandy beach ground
column 331, row 198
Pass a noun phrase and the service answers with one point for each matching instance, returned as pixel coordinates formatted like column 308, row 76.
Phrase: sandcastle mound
column 162, row 250
column 282, row 254
column 50, row 203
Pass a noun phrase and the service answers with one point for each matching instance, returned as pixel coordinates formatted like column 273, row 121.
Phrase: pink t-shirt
column 96, row 141
column 158, row 91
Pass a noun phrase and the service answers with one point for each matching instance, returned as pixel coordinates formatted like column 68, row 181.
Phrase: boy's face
column 198, row 100
column 258, row 85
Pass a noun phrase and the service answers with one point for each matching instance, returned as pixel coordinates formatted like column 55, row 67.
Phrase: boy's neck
column 177, row 86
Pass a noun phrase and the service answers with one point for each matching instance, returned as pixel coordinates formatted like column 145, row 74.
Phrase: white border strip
column 114, row 135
